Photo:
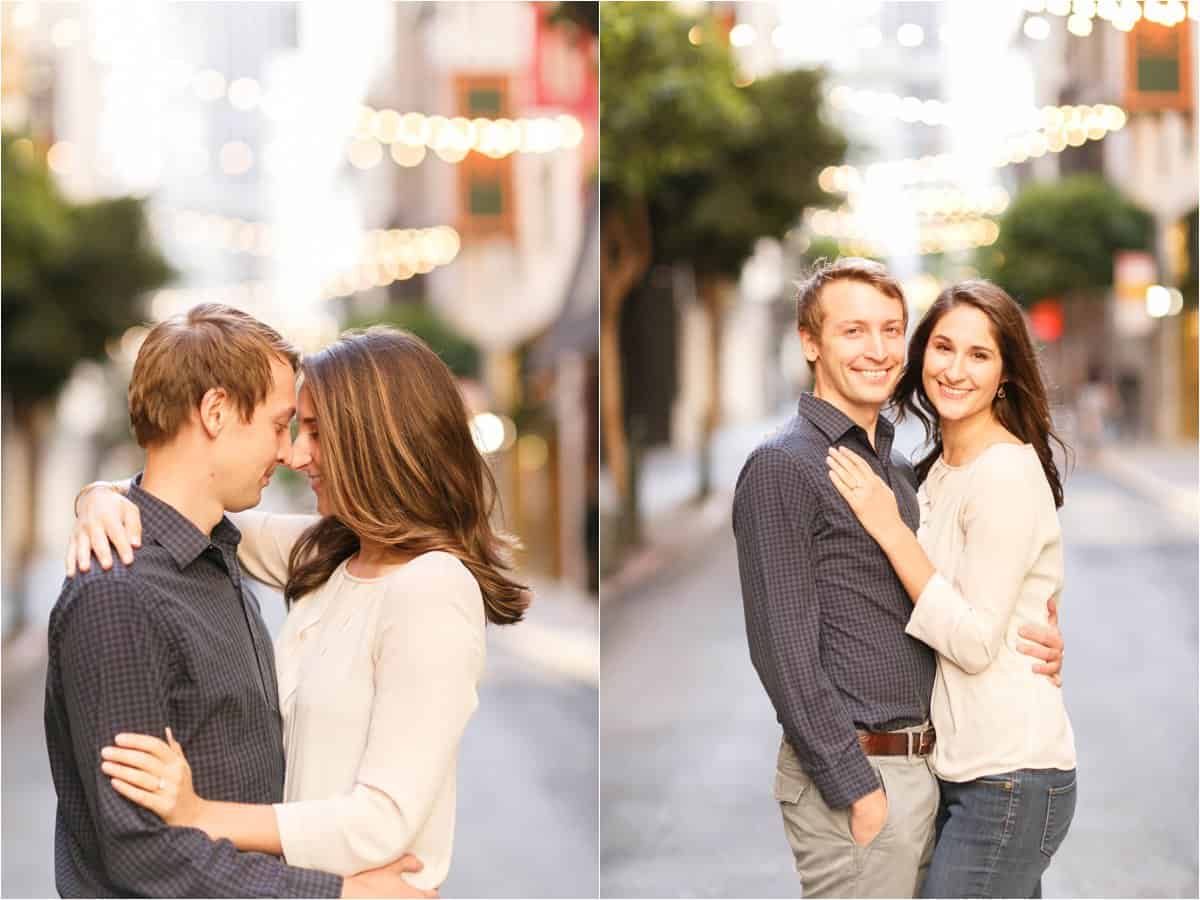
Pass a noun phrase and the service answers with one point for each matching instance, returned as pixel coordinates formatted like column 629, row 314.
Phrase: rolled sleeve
column 267, row 542
column 966, row 623
column 775, row 517
column 116, row 668
column 428, row 657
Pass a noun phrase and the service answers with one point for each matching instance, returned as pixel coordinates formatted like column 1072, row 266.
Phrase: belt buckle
column 911, row 735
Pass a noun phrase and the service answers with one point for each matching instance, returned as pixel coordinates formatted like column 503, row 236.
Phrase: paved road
column 689, row 737
column 527, row 804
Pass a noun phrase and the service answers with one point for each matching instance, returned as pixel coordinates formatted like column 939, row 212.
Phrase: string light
column 419, row 249
column 1073, row 127
column 433, row 248
column 847, row 228
column 453, row 139
column 937, row 112
column 1121, row 14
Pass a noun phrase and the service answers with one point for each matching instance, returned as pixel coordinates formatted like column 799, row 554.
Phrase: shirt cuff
column 300, row 882
column 847, row 779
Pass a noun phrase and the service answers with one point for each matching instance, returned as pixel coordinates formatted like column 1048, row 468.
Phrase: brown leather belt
column 897, row 743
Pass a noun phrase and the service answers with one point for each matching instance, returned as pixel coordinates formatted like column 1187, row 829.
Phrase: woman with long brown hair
column 986, row 556
column 388, row 589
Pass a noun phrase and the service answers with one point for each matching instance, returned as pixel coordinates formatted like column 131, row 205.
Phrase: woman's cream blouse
column 991, row 530
column 377, row 680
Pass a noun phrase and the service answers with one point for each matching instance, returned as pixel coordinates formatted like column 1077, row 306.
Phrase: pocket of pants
column 1060, row 810
column 789, row 788
column 791, row 781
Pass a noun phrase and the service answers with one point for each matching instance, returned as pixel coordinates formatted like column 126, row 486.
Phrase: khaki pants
column 828, row 860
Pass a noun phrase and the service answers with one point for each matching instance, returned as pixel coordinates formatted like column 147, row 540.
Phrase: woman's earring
column 1000, row 393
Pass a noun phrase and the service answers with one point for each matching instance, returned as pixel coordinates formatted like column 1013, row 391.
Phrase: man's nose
column 878, row 349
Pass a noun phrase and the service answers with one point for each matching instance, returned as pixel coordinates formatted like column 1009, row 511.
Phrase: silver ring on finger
column 162, row 783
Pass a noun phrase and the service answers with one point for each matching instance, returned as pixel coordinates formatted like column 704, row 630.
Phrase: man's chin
column 248, row 501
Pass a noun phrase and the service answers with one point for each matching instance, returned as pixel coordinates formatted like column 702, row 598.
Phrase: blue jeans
column 996, row 835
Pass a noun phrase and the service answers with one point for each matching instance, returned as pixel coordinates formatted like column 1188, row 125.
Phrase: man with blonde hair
column 178, row 640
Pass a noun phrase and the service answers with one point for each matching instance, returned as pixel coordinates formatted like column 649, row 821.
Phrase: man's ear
column 812, row 347
column 215, row 410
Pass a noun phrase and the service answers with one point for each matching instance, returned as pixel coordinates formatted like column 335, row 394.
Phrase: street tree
column 757, row 184
column 666, row 108
column 1058, row 239
column 73, row 279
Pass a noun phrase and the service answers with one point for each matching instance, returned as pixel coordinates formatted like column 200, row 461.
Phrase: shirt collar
column 835, row 424
column 174, row 532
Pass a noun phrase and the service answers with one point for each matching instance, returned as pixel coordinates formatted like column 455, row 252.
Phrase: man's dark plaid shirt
column 174, row 639
column 825, row 612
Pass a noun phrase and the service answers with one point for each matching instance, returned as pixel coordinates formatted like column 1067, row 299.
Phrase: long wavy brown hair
column 400, row 468
column 1025, row 408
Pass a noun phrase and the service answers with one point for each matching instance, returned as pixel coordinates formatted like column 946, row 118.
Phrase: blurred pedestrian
column 989, row 552
column 826, row 614
column 1093, row 408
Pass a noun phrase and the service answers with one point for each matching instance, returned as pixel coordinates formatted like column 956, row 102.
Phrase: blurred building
column 527, row 236
column 1149, row 355
column 321, row 165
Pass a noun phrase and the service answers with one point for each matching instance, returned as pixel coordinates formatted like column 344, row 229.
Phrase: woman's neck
column 965, row 439
column 373, row 556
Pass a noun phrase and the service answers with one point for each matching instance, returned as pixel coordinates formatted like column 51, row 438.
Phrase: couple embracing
column 925, row 752
column 189, row 757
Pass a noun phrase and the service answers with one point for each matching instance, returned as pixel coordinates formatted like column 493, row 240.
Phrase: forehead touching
column 281, row 399
column 304, row 405
column 964, row 325
column 856, row 301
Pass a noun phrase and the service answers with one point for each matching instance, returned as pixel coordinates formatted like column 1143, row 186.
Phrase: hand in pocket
column 868, row 815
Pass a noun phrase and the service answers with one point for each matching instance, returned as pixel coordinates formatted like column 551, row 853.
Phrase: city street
column 526, row 779
column 690, row 738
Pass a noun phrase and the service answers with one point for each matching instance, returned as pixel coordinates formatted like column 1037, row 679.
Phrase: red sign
column 565, row 75
column 1046, row 320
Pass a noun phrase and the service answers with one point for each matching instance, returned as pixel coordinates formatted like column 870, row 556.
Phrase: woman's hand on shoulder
column 106, row 520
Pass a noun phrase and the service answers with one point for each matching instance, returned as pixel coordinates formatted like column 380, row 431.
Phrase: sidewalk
column 560, row 633
column 1166, row 474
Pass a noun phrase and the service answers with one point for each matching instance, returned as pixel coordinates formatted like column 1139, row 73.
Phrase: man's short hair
column 210, row 346
column 810, row 315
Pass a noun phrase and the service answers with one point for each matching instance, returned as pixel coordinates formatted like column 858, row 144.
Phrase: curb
column 672, row 536
column 1182, row 501
column 560, row 651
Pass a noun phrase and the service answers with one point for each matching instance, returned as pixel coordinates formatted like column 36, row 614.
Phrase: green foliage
column 758, row 181
column 73, row 276
column 666, row 106
column 1059, row 238
column 718, row 166
column 456, row 352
